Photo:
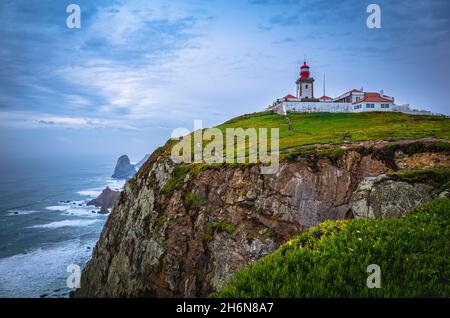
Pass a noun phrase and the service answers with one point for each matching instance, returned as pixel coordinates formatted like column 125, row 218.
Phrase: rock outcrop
column 124, row 169
column 105, row 200
column 176, row 232
column 381, row 197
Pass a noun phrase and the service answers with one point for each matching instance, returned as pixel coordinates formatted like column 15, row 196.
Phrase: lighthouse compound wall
column 282, row 108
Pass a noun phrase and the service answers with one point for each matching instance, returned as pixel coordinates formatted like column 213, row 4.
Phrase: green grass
column 330, row 260
column 437, row 177
column 176, row 179
column 332, row 128
column 214, row 226
column 192, row 199
column 309, row 130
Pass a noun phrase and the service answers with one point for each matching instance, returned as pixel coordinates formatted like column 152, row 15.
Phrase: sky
column 136, row 70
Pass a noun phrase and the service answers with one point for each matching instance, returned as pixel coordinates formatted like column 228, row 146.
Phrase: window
column 357, row 99
column 384, row 105
column 357, row 107
column 370, row 105
column 306, row 86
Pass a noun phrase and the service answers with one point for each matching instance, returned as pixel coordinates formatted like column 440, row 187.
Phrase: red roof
column 304, row 65
column 373, row 97
column 353, row 91
column 289, row 96
column 325, row 97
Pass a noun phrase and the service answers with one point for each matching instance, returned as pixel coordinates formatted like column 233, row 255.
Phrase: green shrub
column 176, row 180
column 334, row 154
column 331, row 259
column 437, row 177
column 214, row 226
column 192, row 199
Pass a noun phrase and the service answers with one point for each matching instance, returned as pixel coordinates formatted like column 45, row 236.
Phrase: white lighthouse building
column 352, row 101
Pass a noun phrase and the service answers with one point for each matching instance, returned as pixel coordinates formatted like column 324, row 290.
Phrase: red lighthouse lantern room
column 304, row 70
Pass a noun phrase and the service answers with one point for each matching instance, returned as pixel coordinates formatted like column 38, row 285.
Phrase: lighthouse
column 305, row 84
column 352, row 101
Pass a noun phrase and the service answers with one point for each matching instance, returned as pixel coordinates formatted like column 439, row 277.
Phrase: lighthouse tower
column 305, row 84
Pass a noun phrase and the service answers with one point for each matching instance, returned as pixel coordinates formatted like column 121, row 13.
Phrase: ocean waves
column 20, row 212
column 42, row 272
column 59, row 224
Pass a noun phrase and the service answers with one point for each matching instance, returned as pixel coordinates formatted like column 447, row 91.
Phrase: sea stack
column 124, row 169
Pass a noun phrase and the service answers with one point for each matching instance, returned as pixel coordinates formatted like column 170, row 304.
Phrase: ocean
column 45, row 224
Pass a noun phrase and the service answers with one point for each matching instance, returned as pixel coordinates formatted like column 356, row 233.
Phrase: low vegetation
column 215, row 226
column 192, row 199
column 331, row 260
column 437, row 177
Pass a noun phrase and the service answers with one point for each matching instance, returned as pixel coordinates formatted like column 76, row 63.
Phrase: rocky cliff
column 184, row 231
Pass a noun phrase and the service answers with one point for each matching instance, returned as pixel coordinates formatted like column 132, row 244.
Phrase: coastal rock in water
column 124, row 169
column 105, row 200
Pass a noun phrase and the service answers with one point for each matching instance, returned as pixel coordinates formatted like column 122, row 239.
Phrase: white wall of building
column 306, row 90
column 282, row 107
column 371, row 107
column 312, row 107
column 407, row 110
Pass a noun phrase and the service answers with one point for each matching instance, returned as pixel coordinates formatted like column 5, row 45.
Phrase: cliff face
column 184, row 234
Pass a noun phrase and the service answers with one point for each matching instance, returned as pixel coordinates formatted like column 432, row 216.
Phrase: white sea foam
column 115, row 184
column 85, row 211
column 42, row 270
column 58, row 224
column 78, row 208
column 60, row 208
column 91, row 193
column 20, row 212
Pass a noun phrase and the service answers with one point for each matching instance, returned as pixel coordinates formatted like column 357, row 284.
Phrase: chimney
column 381, row 93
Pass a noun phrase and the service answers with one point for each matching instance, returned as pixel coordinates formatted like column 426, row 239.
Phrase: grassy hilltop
column 333, row 128
column 299, row 133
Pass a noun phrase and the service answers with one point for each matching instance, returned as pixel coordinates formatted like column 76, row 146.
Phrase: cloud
column 114, row 66
column 78, row 100
column 31, row 120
